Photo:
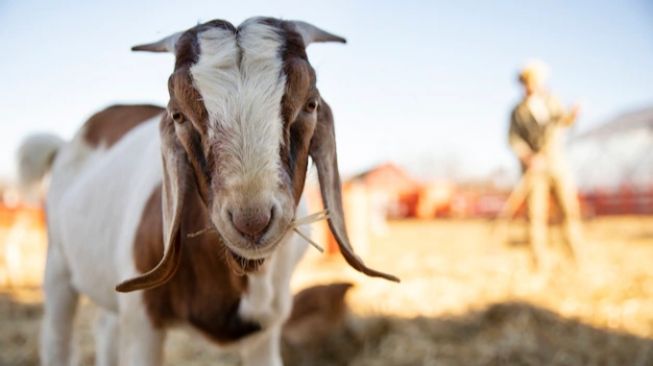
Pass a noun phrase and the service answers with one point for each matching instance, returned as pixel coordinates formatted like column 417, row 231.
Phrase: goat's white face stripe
column 241, row 82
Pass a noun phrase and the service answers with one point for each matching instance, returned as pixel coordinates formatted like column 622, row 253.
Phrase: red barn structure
column 384, row 192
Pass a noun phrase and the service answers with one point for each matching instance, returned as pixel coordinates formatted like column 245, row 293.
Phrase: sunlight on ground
column 450, row 267
column 466, row 297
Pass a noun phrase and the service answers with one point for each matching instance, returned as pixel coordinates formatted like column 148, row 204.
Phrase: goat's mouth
column 243, row 265
column 241, row 260
column 252, row 259
column 249, row 250
column 249, row 259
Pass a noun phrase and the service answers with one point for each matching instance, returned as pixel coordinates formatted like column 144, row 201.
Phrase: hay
column 463, row 300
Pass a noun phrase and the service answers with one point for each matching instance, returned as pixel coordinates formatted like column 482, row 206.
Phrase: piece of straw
column 295, row 224
column 200, row 232
column 318, row 216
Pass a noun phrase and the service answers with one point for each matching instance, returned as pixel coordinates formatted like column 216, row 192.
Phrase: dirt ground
column 467, row 297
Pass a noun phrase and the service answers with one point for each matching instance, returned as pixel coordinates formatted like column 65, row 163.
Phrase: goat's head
column 243, row 117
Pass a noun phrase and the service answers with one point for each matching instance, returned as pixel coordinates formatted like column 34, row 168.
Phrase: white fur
column 92, row 219
column 73, row 210
column 35, row 156
column 106, row 338
column 268, row 292
column 269, row 299
column 241, row 82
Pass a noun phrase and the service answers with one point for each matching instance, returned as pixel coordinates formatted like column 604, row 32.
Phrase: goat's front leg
column 141, row 343
column 265, row 349
column 106, row 339
column 59, row 310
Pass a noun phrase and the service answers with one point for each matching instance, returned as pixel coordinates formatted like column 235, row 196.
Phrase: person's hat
column 536, row 70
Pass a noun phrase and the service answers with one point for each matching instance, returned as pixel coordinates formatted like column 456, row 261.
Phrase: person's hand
column 575, row 110
column 571, row 117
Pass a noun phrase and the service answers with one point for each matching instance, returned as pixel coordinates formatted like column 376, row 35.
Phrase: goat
column 199, row 214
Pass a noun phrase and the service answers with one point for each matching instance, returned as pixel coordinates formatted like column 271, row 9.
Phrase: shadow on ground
column 502, row 334
column 19, row 330
column 510, row 333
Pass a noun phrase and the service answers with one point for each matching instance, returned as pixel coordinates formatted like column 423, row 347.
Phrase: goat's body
column 198, row 212
column 96, row 202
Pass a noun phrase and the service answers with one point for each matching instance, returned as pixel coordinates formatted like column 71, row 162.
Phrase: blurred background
column 422, row 95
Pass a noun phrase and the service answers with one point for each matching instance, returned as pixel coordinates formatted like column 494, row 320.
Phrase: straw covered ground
column 466, row 298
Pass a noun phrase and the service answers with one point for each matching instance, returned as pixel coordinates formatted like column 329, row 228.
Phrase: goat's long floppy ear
column 323, row 152
column 177, row 176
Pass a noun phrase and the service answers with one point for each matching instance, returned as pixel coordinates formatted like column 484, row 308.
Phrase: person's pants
column 564, row 191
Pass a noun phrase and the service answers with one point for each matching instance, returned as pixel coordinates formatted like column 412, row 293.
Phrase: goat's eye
column 311, row 105
column 177, row 117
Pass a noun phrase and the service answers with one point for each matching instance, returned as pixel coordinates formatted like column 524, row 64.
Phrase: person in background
column 536, row 132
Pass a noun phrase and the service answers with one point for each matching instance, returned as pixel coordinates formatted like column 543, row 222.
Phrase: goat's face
column 247, row 100
column 244, row 116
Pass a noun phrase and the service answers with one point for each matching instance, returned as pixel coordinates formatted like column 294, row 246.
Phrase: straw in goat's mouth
column 200, row 232
column 318, row 216
column 294, row 225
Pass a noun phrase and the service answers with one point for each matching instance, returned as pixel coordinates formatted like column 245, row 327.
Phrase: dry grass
column 465, row 299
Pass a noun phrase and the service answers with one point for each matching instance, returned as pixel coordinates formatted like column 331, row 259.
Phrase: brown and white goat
column 193, row 203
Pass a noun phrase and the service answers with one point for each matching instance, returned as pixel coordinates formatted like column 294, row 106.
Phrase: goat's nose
column 251, row 223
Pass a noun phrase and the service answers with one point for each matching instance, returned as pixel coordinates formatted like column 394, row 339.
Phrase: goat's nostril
column 251, row 223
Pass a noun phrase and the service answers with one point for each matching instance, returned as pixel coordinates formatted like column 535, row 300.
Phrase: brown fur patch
column 298, row 124
column 317, row 309
column 184, row 98
column 204, row 292
column 109, row 125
